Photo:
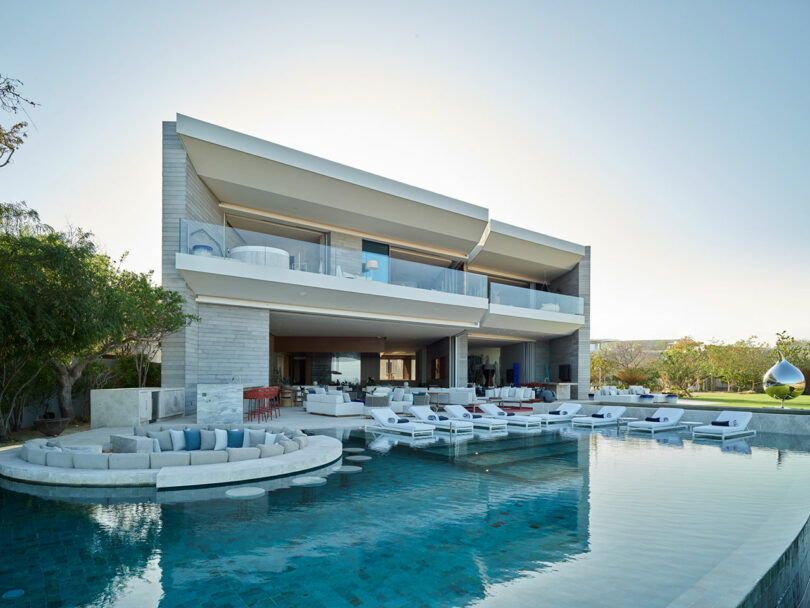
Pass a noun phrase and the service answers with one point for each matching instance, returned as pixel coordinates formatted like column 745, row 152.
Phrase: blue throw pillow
column 193, row 439
column 402, row 420
column 597, row 416
column 510, row 413
column 442, row 417
column 477, row 416
column 311, row 391
column 236, row 439
column 555, row 412
column 651, row 419
column 720, row 423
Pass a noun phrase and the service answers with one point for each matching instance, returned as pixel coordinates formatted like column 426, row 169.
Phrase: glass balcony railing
column 198, row 238
column 509, row 295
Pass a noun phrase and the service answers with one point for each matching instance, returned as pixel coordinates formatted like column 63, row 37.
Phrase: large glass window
column 376, row 261
column 397, row 368
column 345, row 368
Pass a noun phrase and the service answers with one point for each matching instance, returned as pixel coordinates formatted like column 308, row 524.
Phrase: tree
column 41, row 300
column 741, row 364
column 151, row 314
column 126, row 315
column 602, row 367
column 683, row 364
column 12, row 101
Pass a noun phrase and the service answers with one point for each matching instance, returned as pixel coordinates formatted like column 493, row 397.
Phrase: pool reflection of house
column 306, row 270
column 493, row 512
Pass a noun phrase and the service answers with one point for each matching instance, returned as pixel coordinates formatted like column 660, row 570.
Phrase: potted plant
column 48, row 424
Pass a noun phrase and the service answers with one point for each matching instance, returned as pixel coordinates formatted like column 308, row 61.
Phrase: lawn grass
column 751, row 400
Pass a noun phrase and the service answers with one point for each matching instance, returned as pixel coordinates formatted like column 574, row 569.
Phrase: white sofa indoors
column 396, row 399
column 510, row 393
column 333, row 405
column 455, row 396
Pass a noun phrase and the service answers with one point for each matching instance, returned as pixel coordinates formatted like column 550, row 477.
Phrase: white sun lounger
column 387, row 422
column 424, row 414
column 611, row 414
column 459, row 412
column 524, row 422
column 669, row 420
column 737, row 423
column 565, row 412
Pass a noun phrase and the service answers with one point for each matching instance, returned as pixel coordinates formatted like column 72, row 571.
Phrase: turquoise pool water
column 563, row 519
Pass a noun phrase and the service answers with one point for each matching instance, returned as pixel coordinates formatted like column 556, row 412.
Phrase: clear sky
column 672, row 137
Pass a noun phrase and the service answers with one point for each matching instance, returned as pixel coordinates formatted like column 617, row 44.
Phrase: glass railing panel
column 510, row 295
column 200, row 238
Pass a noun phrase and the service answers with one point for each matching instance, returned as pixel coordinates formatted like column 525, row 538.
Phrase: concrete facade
column 212, row 175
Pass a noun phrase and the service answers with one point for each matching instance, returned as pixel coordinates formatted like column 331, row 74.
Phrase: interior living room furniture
column 333, row 405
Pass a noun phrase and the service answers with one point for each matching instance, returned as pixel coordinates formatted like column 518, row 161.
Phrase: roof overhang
column 256, row 174
column 524, row 254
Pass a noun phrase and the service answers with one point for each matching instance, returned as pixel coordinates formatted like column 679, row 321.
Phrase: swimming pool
column 561, row 518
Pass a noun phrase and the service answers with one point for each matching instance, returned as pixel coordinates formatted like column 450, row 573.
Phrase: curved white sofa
column 170, row 469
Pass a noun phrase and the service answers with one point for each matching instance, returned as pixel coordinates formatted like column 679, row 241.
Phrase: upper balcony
column 223, row 263
column 519, row 309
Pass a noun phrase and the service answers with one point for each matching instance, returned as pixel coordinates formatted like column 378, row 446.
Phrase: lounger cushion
column 59, row 459
column 267, row 451
column 255, row 437
column 221, row 437
column 236, row 439
column 208, row 440
column 164, row 439
column 720, row 423
column 208, row 457
column 91, row 461
column 168, row 459
column 239, row 454
column 178, row 440
column 129, row 461
column 288, row 445
column 193, row 439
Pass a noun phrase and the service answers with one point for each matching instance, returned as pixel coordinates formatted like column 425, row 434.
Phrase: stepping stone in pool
column 348, row 470
column 353, row 450
column 245, row 493
column 308, row 482
column 357, row 458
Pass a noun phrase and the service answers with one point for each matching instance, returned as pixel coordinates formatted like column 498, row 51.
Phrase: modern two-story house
column 304, row 270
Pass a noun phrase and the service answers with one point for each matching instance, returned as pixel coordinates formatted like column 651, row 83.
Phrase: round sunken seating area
column 147, row 464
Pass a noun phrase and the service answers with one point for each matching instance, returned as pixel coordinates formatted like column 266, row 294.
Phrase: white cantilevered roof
column 523, row 253
column 249, row 175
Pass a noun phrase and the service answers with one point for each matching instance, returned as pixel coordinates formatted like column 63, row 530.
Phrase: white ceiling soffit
column 525, row 254
column 248, row 171
column 397, row 336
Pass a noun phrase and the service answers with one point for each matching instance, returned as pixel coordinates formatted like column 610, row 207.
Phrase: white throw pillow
column 398, row 394
column 346, row 398
column 269, row 438
column 220, row 439
column 155, row 445
column 178, row 440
